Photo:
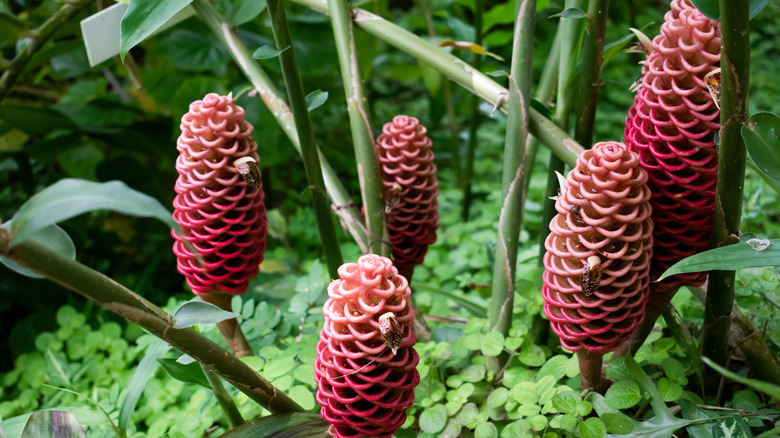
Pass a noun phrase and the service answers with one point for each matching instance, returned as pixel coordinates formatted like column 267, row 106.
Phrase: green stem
column 513, row 180
column 230, row 328
column 735, row 65
column 311, row 162
column 548, row 133
column 343, row 205
column 474, row 116
column 592, row 56
column 360, row 122
column 224, row 399
column 37, row 38
column 125, row 303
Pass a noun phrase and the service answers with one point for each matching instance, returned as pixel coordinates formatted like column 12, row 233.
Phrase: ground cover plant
column 434, row 218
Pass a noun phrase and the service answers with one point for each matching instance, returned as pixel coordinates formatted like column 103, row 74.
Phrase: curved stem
column 311, row 162
column 125, row 303
column 735, row 73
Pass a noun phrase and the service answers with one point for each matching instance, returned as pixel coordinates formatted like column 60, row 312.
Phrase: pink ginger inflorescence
column 596, row 278
column 366, row 374
column 410, row 190
column 221, row 216
column 672, row 125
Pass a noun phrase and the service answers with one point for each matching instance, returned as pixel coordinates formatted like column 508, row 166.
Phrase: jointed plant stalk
column 735, row 73
column 542, row 128
column 125, row 303
column 311, row 162
column 513, row 180
column 592, row 56
column 343, row 206
column 36, row 40
column 474, row 117
column 360, row 122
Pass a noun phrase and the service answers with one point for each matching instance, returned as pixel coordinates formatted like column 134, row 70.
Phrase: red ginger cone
column 672, row 125
column 603, row 220
column 410, row 190
column 220, row 215
column 365, row 367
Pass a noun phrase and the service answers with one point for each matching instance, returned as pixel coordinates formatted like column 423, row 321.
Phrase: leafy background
column 65, row 119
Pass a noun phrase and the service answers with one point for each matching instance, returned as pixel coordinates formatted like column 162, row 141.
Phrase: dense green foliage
column 65, row 119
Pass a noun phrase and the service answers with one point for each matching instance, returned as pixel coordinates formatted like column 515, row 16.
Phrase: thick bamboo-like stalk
column 592, row 57
column 735, row 73
column 542, row 128
column 360, row 122
column 123, row 302
column 474, row 117
column 343, row 205
column 311, row 162
column 513, row 179
column 37, row 38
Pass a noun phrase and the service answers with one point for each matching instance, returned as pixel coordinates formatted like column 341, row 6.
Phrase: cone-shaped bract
column 672, row 125
column 603, row 221
column 410, row 190
column 364, row 386
column 219, row 213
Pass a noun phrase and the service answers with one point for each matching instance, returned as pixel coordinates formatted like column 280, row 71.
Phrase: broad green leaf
column 195, row 51
column 728, row 258
column 143, row 18
column 592, row 428
column 711, row 8
column 315, row 99
column 71, row 197
column 690, row 411
column 573, row 13
column 200, row 312
column 238, row 12
column 190, row 373
column 623, row 394
column 52, row 237
column 566, row 402
column 762, row 140
column 53, row 424
column 670, row 391
column 555, row 367
column 493, row 344
column 146, row 369
column 297, row 424
column 618, row 424
column 732, row 427
column 303, row 396
column 486, row 430
column 434, row 419
column 267, row 52
column 765, row 387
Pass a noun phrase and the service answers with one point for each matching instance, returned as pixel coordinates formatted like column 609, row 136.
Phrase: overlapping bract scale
column 410, row 189
column 604, row 211
column 220, row 215
column 672, row 125
column 364, row 389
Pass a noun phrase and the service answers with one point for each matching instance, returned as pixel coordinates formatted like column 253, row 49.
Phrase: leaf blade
column 143, row 18
column 728, row 258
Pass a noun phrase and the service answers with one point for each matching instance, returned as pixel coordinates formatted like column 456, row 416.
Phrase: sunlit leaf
column 143, row 18
column 728, row 258
column 200, row 312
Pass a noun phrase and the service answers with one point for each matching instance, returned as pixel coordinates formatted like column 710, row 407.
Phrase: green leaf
column 554, row 366
column 193, row 51
column 690, row 411
column 53, row 424
column 146, row 369
column 200, row 312
column 618, row 424
column 296, row 424
column 497, row 74
column 566, row 402
column 267, row 52
column 592, row 428
column 71, row 197
column 670, row 391
column 434, row 419
column 238, row 12
column 683, row 337
column 143, row 18
column 315, row 99
column 475, row 309
column 190, row 373
column 767, row 388
column 486, row 430
column 573, row 13
column 623, row 394
column 492, row 344
column 711, row 8
column 762, row 140
column 303, row 396
column 52, row 237
column 728, row 258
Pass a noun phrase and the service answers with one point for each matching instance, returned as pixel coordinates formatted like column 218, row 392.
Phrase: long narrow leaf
column 143, row 373
column 767, row 388
column 728, row 258
column 282, row 426
column 53, row 424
